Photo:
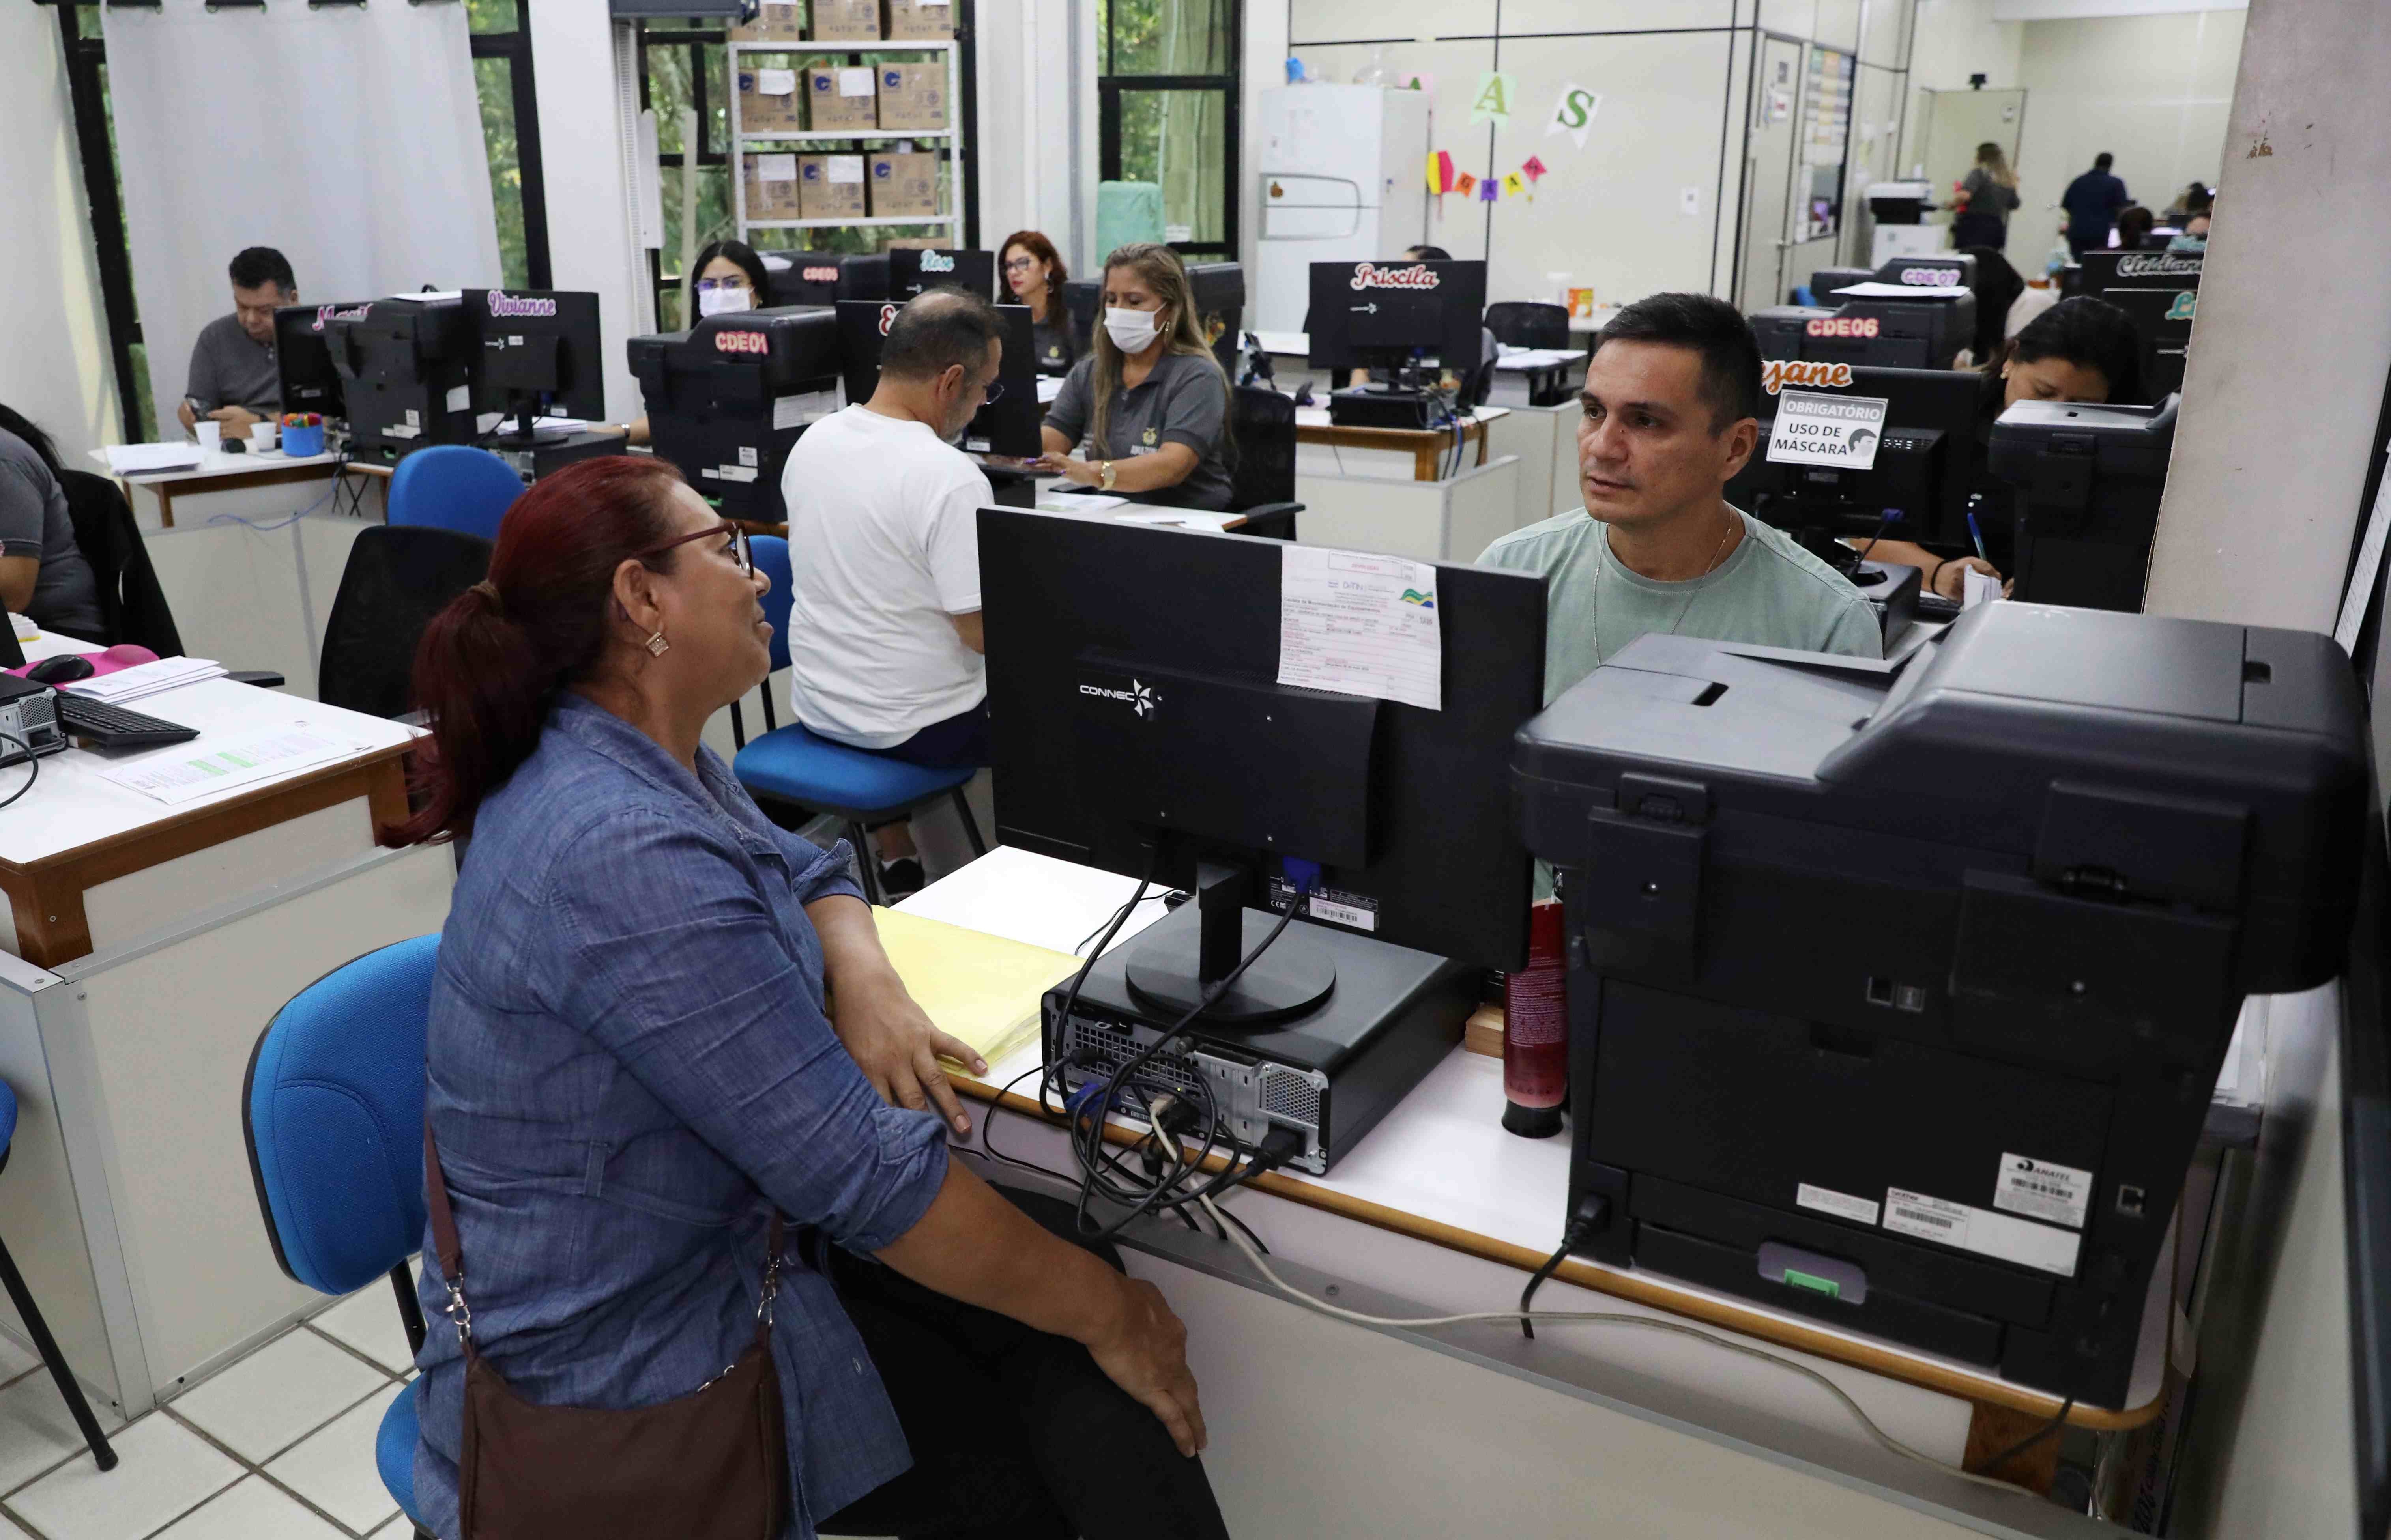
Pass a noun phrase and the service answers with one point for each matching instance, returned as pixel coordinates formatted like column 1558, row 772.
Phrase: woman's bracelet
column 1940, row 562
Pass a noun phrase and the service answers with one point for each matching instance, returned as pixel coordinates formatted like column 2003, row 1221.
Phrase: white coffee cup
column 211, row 435
column 262, row 435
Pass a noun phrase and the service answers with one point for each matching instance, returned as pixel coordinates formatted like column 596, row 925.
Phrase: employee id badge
column 1836, row 430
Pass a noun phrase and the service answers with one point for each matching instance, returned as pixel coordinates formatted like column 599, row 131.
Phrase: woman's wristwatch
column 1105, row 477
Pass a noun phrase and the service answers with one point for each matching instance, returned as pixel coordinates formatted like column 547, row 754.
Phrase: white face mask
column 719, row 302
column 1133, row 331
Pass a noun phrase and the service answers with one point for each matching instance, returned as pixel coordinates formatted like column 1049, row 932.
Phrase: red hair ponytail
column 489, row 666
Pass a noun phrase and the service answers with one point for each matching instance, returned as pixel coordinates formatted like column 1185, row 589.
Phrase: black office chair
column 132, row 606
column 1262, row 476
column 397, row 578
column 1997, row 286
column 1529, row 323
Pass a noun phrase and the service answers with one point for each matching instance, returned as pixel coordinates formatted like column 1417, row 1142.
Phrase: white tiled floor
column 279, row 1447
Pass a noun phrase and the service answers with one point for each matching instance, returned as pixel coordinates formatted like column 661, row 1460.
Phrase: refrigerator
column 1343, row 179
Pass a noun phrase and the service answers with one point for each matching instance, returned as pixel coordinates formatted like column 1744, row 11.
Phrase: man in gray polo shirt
column 233, row 378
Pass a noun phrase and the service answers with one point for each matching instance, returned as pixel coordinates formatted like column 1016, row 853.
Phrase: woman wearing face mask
column 1034, row 276
column 2081, row 348
column 729, row 276
column 1149, row 402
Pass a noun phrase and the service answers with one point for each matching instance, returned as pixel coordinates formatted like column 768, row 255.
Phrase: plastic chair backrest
column 7, row 1116
column 454, row 486
column 771, row 554
column 395, row 582
column 1527, row 324
column 132, row 606
column 1262, row 424
column 334, row 1112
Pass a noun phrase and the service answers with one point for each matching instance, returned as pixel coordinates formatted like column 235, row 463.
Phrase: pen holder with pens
column 303, row 433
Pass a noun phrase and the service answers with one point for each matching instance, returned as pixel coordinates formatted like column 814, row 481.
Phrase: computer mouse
column 59, row 671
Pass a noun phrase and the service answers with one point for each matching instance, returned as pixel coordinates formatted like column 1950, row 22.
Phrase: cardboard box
column 830, row 186
column 921, row 21
column 904, row 183
column 769, row 101
column 847, row 20
column 842, row 97
column 776, row 21
column 771, row 187
column 913, row 95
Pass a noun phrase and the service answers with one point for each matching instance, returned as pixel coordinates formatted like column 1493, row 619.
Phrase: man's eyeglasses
column 995, row 394
column 741, row 557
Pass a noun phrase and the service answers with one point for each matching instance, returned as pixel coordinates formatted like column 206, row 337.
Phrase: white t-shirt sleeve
column 951, row 543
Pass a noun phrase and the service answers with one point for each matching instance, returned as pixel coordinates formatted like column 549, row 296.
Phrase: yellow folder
column 981, row 988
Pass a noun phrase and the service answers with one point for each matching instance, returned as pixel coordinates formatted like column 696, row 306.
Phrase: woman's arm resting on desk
column 1167, row 467
column 886, row 1034
column 1942, row 576
column 973, row 1246
column 1057, row 446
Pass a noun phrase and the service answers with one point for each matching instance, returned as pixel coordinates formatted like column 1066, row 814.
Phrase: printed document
column 1360, row 625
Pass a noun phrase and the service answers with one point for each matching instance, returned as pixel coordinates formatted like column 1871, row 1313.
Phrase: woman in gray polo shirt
column 43, row 573
column 1149, row 402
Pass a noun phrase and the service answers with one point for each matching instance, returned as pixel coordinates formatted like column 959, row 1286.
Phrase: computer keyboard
column 115, row 727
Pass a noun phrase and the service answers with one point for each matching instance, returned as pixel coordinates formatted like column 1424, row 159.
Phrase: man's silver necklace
column 1609, row 556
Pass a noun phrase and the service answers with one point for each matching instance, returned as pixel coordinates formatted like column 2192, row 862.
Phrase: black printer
column 406, row 371
column 1897, row 991
column 1916, row 330
column 727, row 400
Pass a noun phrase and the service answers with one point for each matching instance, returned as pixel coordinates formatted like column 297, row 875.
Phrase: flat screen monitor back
column 302, row 364
column 2162, row 319
column 1382, row 313
column 539, row 348
column 911, row 271
column 1064, row 596
column 1006, row 425
column 1948, row 401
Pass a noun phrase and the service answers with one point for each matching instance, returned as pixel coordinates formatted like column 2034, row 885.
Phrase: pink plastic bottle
column 1535, row 1030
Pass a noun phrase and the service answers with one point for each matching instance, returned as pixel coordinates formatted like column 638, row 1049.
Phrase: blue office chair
column 453, row 486
column 332, row 1108
column 790, row 765
column 37, row 1329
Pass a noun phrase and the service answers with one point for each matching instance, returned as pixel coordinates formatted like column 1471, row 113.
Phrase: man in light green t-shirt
column 1672, row 405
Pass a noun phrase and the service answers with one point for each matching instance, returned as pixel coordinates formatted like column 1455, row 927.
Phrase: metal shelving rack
column 951, row 138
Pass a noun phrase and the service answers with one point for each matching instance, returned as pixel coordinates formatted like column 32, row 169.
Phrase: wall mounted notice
column 1812, row 429
column 1360, row 625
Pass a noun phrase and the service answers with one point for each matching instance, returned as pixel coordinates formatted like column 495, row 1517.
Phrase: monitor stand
column 1171, row 972
column 522, row 435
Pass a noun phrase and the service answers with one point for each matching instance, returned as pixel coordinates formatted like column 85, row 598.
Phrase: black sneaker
column 900, row 879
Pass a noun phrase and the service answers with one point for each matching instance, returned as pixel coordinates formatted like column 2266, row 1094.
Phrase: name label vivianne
column 507, row 304
column 1369, row 275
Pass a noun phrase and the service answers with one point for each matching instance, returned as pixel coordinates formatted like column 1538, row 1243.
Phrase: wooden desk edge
column 46, row 895
column 1627, row 1286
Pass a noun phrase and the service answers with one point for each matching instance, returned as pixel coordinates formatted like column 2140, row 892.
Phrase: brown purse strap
column 452, row 1250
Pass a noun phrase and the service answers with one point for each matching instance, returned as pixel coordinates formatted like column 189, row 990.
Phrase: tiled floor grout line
column 361, row 1356
column 251, row 1467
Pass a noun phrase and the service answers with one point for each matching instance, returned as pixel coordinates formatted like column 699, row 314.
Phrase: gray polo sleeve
column 1068, row 415
column 25, row 507
column 204, row 385
column 1193, row 411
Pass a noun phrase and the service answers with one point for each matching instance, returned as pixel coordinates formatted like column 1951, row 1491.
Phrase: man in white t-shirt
column 883, row 544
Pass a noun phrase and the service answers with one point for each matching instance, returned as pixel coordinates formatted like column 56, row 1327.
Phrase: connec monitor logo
column 1140, row 697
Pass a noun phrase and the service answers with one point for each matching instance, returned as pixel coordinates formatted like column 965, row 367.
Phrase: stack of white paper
column 135, row 459
column 1874, row 290
column 23, row 626
column 190, row 771
column 146, row 679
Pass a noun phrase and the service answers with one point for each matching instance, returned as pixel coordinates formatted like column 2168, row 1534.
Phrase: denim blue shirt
column 630, row 1064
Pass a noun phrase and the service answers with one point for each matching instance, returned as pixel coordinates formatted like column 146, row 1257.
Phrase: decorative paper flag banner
column 1465, row 184
column 1440, row 171
column 1573, row 114
column 1515, row 185
column 1493, row 102
column 1489, row 191
column 1533, row 169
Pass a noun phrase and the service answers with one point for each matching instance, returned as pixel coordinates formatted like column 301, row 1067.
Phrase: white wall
column 1029, row 116
column 2293, row 340
column 54, row 365
column 2153, row 90
column 590, row 241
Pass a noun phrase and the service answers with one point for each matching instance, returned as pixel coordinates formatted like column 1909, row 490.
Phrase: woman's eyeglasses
column 741, row 557
column 1021, row 264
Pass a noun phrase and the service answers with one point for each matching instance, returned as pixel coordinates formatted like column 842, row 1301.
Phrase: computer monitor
column 1923, row 462
column 1397, row 314
column 727, row 399
column 1083, row 300
column 540, row 356
column 2120, row 268
column 2087, row 482
column 1007, row 425
column 826, row 278
column 2162, row 319
column 407, row 368
column 302, row 364
column 1138, row 719
column 911, row 271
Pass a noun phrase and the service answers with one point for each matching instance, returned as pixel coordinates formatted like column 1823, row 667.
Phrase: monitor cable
column 32, row 760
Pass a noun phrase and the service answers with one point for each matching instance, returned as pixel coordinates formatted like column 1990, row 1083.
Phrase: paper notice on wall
column 1814, row 429
column 1360, row 625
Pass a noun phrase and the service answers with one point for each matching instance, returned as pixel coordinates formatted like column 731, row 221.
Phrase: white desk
column 254, row 484
column 143, row 947
column 1473, row 1431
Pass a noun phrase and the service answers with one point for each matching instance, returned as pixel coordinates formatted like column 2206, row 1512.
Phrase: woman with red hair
column 635, row 1064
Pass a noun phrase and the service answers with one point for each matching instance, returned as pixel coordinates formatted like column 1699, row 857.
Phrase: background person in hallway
column 2093, row 201
column 1986, row 199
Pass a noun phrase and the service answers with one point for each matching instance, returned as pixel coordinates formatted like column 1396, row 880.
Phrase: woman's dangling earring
column 657, row 646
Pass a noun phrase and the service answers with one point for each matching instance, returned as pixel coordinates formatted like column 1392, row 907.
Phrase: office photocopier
column 1897, row 991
